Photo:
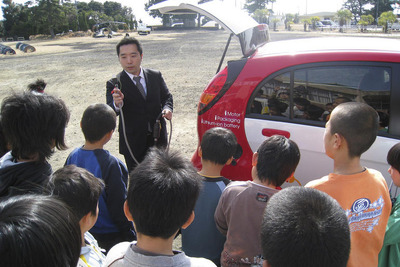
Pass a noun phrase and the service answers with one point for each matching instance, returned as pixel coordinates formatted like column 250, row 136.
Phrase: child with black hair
column 241, row 206
column 81, row 191
column 98, row 124
column 162, row 193
column 304, row 227
column 37, row 86
column 390, row 252
column 3, row 142
column 38, row 230
column 202, row 238
column 362, row 192
column 33, row 124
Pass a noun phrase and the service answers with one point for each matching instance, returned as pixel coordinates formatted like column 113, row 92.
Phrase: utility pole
column 306, row 6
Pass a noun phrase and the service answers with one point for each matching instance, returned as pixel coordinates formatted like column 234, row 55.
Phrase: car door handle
column 270, row 132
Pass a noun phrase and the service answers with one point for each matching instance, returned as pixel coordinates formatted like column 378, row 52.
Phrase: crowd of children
column 92, row 213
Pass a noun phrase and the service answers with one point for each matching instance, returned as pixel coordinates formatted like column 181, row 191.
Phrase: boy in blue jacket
column 98, row 124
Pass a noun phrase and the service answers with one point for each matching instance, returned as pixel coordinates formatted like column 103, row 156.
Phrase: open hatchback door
column 251, row 34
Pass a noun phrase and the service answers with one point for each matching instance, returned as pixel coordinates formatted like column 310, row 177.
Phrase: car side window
column 316, row 91
column 272, row 98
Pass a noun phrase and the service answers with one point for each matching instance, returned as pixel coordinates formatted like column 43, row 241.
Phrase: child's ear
column 87, row 221
column 128, row 214
column 290, row 179
column 254, row 160
column 84, row 219
column 266, row 264
column 109, row 134
column 339, row 141
column 229, row 161
column 189, row 221
column 200, row 152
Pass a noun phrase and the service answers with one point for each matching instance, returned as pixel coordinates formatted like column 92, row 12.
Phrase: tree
column 380, row 7
column 314, row 22
column 2, row 32
column 356, row 7
column 48, row 16
column 10, row 14
column 306, row 22
column 112, row 9
column 166, row 18
column 253, row 5
column 70, row 14
column 83, row 24
column 96, row 6
column 365, row 21
column 289, row 20
column 82, row 6
column 386, row 18
column 274, row 22
column 261, row 15
column 50, row 11
column 344, row 16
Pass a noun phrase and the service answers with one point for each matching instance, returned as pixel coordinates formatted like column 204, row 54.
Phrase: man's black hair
column 128, row 41
column 78, row 188
column 218, row 145
column 33, row 124
column 38, row 230
column 305, row 227
column 358, row 123
column 278, row 158
column 393, row 157
column 97, row 121
column 162, row 192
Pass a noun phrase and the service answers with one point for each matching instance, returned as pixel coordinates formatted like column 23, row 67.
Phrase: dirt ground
column 76, row 70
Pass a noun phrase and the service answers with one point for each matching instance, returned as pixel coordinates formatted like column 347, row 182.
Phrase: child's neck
column 34, row 157
column 156, row 245
column 347, row 166
column 93, row 146
column 256, row 180
column 210, row 169
column 83, row 239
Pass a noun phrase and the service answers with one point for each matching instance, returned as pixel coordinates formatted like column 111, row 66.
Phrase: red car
column 290, row 87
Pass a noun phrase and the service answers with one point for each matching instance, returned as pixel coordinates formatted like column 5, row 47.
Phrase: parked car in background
column 142, row 29
column 177, row 25
column 327, row 24
column 395, row 26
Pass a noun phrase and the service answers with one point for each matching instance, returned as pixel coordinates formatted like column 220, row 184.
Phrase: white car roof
column 324, row 44
column 230, row 18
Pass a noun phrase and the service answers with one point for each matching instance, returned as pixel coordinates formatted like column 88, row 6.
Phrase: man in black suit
column 143, row 97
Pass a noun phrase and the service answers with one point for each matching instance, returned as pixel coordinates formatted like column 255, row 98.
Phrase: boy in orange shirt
column 361, row 192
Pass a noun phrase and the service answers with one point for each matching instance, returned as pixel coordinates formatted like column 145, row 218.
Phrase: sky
column 279, row 7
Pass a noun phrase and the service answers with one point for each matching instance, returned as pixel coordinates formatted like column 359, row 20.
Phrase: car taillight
column 213, row 89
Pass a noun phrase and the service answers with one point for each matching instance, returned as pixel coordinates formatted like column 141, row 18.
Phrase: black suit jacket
column 140, row 113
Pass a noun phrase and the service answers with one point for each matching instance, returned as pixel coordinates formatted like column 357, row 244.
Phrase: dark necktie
column 139, row 86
